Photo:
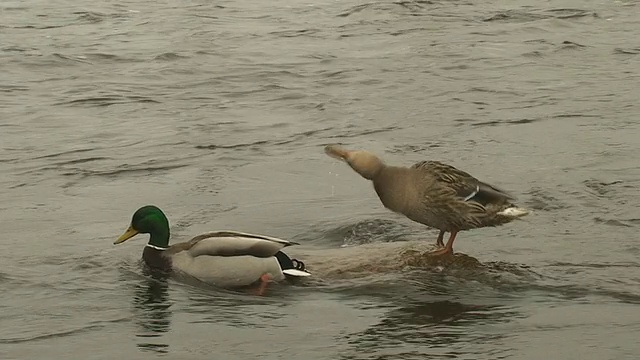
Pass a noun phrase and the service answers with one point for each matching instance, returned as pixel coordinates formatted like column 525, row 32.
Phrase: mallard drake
column 222, row 258
column 434, row 194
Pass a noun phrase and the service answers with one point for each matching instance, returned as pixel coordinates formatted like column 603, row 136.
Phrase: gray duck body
column 226, row 258
column 220, row 258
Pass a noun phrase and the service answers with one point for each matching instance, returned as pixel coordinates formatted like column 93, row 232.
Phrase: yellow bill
column 131, row 232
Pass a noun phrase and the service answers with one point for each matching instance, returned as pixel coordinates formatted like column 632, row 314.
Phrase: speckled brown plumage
column 434, row 194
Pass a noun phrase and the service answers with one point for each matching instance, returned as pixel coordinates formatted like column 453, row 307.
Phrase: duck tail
column 291, row 267
column 514, row 212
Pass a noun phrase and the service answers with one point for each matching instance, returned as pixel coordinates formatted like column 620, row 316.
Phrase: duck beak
column 131, row 232
column 336, row 151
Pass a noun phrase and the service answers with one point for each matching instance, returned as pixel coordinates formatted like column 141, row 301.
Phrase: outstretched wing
column 463, row 184
column 233, row 243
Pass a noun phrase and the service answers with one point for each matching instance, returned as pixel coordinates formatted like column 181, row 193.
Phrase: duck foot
column 439, row 242
column 441, row 252
column 448, row 249
column 264, row 280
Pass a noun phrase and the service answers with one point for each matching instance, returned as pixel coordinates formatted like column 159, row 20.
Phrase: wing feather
column 233, row 243
column 463, row 184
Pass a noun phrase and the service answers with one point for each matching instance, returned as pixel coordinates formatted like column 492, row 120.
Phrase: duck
column 434, row 194
column 227, row 259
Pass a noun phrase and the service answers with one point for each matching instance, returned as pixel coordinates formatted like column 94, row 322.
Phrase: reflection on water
column 431, row 323
column 448, row 313
column 151, row 302
column 434, row 327
column 238, row 308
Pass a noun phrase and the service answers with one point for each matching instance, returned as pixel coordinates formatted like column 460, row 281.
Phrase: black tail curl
column 287, row 263
column 298, row 265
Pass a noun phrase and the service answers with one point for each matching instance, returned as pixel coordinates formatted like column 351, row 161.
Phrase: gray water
column 218, row 113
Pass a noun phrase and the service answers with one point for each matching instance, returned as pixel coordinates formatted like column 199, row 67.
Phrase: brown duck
column 434, row 194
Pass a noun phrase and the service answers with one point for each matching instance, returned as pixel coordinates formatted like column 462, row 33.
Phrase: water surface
column 218, row 113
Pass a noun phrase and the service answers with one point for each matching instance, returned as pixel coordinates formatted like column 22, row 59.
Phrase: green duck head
column 150, row 220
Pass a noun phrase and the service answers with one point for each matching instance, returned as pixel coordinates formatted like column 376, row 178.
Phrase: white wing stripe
column 472, row 194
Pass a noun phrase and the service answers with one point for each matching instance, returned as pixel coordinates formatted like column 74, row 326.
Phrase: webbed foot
column 264, row 280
